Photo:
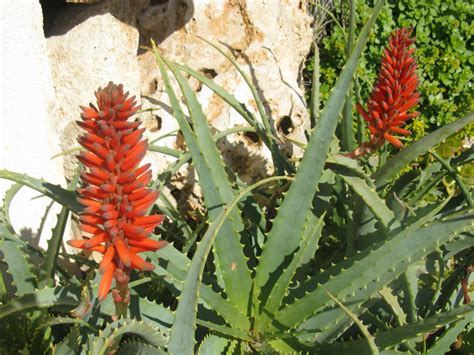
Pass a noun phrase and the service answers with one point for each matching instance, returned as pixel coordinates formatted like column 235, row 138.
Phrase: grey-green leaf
column 116, row 329
column 230, row 259
column 286, row 232
column 400, row 160
column 55, row 192
column 44, row 298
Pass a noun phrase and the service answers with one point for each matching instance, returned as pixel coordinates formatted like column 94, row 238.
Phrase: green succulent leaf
column 55, row 192
column 285, row 235
column 366, row 193
column 310, row 237
column 364, row 274
column 278, row 157
column 400, row 160
column 395, row 336
column 213, row 344
column 182, row 332
column 137, row 348
column 71, row 343
column 54, row 243
column 222, row 93
column 216, row 188
column 175, row 272
column 44, row 298
column 15, row 257
column 5, row 222
column 443, row 343
column 113, row 331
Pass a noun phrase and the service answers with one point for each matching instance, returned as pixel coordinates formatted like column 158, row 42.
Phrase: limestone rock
column 27, row 138
column 269, row 40
column 88, row 46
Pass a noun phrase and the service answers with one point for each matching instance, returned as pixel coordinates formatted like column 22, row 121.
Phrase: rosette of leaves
column 333, row 254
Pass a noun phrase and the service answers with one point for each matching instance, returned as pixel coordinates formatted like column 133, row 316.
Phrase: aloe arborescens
column 393, row 96
column 114, row 193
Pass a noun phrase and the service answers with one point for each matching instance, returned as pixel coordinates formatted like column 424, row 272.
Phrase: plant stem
column 315, row 88
column 346, row 127
column 121, row 293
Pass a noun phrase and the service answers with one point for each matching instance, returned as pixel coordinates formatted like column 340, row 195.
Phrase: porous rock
column 86, row 45
column 269, row 41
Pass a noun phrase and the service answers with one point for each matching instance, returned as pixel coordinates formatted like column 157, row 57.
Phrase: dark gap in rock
column 50, row 10
column 180, row 143
column 159, row 122
column 285, row 126
column 252, row 137
column 158, row 2
column 209, row 73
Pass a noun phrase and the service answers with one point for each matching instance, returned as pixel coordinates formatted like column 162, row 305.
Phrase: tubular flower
column 114, row 194
column 393, row 96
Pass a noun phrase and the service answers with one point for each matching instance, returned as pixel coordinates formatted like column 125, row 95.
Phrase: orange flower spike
column 114, row 195
column 140, row 264
column 394, row 94
column 107, row 259
column 105, row 283
column 122, row 251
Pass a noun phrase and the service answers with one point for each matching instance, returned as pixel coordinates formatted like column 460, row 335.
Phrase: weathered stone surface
column 27, row 138
column 269, row 41
column 88, row 45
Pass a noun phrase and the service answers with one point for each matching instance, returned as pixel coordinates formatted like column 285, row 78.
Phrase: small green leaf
column 114, row 330
column 136, row 348
column 55, row 192
column 400, row 160
column 213, row 344
column 370, row 339
column 44, row 298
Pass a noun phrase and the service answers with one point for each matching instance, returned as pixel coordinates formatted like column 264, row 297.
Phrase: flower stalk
column 394, row 95
column 114, row 193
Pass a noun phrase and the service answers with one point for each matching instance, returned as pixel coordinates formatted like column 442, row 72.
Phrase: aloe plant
column 329, row 255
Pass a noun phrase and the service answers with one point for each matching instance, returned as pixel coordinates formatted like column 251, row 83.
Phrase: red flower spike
column 98, row 248
column 394, row 94
column 77, row 243
column 114, row 194
column 149, row 244
column 107, row 259
column 105, row 283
